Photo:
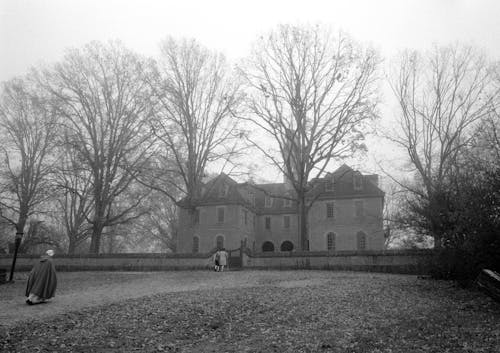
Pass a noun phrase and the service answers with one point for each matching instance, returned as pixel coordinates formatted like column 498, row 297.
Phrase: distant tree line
column 98, row 147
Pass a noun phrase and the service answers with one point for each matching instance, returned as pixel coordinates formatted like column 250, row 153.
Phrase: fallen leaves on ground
column 319, row 312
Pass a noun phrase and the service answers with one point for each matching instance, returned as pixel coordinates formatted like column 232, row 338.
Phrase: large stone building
column 346, row 215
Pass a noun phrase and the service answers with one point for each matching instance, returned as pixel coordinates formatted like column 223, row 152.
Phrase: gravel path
column 80, row 290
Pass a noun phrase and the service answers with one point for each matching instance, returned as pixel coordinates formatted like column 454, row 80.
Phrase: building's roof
column 224, row 190
column 343, row 185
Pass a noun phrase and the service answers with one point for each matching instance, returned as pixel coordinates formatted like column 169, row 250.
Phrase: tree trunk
column 95, row 242
column 71, row 246
column 302, row 223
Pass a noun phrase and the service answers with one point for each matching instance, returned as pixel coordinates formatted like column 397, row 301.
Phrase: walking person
column 222, row 259
column 42, row 281
column 216, row 260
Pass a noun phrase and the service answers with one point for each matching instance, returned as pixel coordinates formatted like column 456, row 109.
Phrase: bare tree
column 28, row 126
column 74, row 197
column 312, row 93
column 197, row 100
column 443, row 95
column 105, row 105
column 159, row 225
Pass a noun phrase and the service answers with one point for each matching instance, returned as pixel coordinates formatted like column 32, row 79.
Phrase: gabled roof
column 278, row 192
column 343, row 185
column 224, row 190
column 221, row 189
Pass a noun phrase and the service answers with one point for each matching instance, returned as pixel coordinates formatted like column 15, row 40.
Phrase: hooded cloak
column 42, row 280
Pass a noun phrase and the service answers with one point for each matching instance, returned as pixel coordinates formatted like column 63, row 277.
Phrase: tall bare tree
column 105, row 106
column 197, row 99
column 443, row 95
column 28, row 126
column 312, row 93
column 73, row 183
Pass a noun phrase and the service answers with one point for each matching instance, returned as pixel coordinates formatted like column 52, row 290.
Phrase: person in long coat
column 223, row 255
column 215, row 259
column 42, row 281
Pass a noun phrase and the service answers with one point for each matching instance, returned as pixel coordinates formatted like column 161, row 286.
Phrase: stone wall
column 110, row 262
column 393, row 261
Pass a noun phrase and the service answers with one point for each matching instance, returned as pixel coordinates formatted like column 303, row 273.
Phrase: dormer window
column 251, row 197
column 268, row 202
column 358, row 182
column 329, row 184
column 287, row 203
column 223, row 190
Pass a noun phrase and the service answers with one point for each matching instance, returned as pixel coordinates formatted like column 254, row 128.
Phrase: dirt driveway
column 77, row 290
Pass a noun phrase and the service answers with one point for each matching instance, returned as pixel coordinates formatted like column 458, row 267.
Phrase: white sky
column 33, row 32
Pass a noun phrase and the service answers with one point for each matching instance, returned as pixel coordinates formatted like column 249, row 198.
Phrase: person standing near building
column 42, row 281
column 216, row 260
column 222, row 259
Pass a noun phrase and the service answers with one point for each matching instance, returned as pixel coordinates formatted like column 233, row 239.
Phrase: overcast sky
column 33, row 32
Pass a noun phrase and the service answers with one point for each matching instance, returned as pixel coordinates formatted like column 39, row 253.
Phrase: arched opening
column 267, row 247
column 286, row 246
column 219, row 241
column 361, row 240
column 330, row 241
column 196, row 244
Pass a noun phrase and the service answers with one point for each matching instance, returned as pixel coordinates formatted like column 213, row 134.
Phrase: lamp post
column 19, row 236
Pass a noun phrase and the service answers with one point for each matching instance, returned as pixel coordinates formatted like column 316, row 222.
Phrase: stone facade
column 346, row 215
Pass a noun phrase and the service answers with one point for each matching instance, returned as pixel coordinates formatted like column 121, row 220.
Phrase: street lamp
column 19, row 236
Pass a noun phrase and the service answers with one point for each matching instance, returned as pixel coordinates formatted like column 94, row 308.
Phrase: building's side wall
column 346, row 225
column 234, row 230
column 278, row 233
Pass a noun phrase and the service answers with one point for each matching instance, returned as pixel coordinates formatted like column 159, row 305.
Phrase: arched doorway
column 267, row 246
column 286, row 246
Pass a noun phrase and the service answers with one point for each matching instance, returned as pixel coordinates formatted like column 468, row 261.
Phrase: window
column 361, row 240
column 329, row 184
column 220, row 214
column 245, row 216
column 268, row 201
column 196, row 217
column 358, row 181
column 268, row 222
column 286, row 246
column 196, row 244
column 330, row 210
column 219, row 241
column 330, row 241
column 267, row 247
column 286, row 221
column 223, row 190
column 359, row 211
column 287, row 203
column 251, row 196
